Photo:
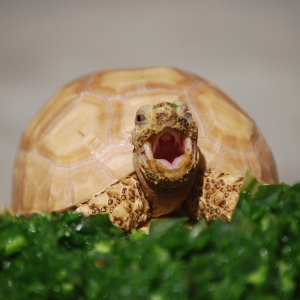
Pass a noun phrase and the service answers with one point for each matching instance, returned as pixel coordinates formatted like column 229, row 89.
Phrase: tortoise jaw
column 167, row 148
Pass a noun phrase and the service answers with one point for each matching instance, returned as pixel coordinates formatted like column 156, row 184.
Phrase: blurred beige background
column 251, row 49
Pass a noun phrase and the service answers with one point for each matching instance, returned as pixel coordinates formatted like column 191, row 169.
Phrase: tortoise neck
column 165, row 195
column 166, row 199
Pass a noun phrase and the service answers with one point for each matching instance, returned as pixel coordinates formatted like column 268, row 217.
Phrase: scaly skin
column 123, row 201
column 158, row 187
column 165, row 187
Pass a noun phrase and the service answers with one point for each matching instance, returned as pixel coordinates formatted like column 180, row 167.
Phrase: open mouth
column 167, row 147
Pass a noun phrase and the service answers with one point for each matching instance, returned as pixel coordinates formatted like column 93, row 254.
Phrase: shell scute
column 210, row 153
column 82, row 177
column 60, row 100
column 41, row 170
column 221, row 120
column 238, row 162
column 116, row 84
column 79, row 130
column 267, row 165
column 116, row 161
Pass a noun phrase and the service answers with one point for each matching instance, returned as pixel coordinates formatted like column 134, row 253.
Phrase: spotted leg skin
column 124, row 201
column 213, row 196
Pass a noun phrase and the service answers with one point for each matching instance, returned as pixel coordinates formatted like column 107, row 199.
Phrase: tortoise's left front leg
column 213, row 196
column 124, row 202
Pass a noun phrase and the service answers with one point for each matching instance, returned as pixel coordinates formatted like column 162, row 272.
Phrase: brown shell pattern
column 79, row 142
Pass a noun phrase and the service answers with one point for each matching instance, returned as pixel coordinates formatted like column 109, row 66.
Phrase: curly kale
column 64, row 256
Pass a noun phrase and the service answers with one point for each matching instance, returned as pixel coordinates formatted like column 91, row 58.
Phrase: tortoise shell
column 79, row 142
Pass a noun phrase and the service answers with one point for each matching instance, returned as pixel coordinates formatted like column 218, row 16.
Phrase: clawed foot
column 213, row 196
column 124, row 202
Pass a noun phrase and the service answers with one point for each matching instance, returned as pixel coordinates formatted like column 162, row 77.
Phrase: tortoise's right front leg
column 124, row 201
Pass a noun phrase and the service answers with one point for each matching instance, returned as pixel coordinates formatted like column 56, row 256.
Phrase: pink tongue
column 168, row 151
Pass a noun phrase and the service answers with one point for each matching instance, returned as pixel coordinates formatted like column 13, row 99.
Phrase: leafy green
column 63, row 256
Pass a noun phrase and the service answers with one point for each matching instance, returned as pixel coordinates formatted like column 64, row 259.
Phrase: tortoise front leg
column 213, row 196
column 124, row 201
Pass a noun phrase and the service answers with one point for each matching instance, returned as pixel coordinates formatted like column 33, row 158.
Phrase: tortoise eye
column 188, row 116
column 140, row 119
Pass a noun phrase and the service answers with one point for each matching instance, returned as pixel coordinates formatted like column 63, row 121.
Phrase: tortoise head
column 165, row 154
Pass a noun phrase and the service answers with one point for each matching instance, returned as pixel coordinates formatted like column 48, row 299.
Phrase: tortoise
column 138, row 144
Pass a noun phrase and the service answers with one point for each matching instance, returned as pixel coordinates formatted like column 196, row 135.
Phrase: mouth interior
column 168, row 147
